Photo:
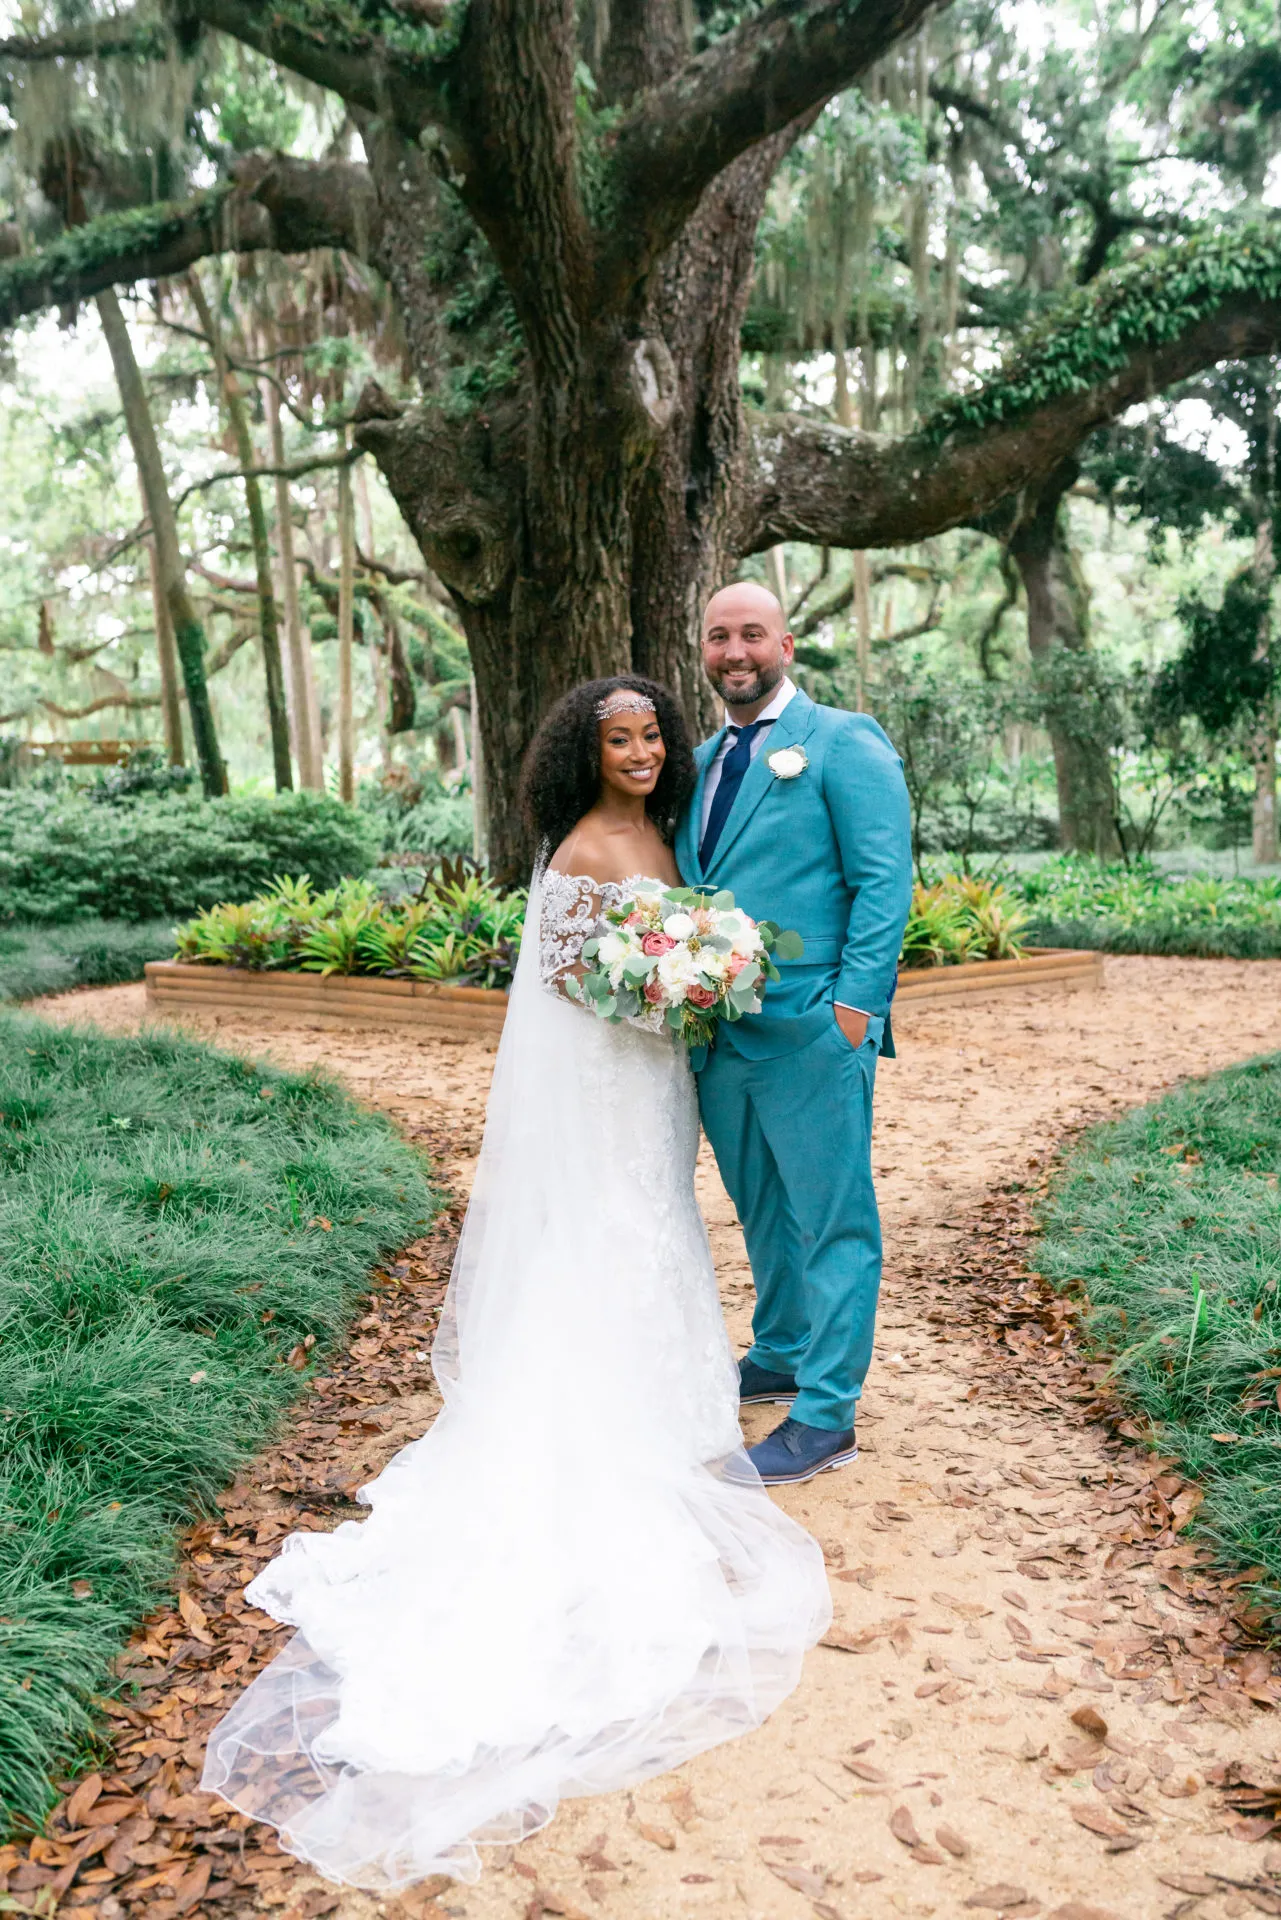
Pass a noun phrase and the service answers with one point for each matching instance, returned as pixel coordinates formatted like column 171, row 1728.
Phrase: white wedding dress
column 560, row 1589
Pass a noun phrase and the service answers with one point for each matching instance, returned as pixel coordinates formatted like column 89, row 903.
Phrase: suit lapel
column 692, row 829
column 788, row 730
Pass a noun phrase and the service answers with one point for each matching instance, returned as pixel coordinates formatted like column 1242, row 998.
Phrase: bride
column 574, row 1580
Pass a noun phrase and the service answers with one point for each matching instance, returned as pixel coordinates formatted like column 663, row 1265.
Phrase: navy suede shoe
column 757, row 1385
column 797, row 1452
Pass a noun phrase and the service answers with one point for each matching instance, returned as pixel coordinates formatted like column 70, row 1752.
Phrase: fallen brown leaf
column 657, row 1836
column 948, row 1837
column 1001, row 1895
column 1091, row 1721
column 800, row 1878
column 1097, row 1821
column 866, row 1771
column 903, row 1827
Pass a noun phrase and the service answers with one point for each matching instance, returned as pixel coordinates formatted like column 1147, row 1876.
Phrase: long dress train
column 574, row 1580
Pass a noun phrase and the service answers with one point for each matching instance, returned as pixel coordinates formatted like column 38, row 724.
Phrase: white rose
column 787, row 762
column 713, row 966
column 678, row 926
column 614, row 947
column 677, row 970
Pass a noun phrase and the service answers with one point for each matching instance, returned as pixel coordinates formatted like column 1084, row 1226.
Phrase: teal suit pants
column 792, row 1137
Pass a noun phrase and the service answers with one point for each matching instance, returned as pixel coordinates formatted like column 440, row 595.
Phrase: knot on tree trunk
column 651, row 387
column 456, row 485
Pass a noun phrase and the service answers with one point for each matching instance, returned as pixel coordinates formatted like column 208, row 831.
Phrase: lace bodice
column 572, row 906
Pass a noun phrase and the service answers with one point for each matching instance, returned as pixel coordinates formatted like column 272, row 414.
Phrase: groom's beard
column 746, row 695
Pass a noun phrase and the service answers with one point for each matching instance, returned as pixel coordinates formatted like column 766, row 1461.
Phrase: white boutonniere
column 788, row 762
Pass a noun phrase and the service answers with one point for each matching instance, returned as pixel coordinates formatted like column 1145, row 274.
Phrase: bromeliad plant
column 460, row 927
column 962, row 918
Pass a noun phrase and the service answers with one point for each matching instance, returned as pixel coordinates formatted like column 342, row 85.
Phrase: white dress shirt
column 786, row 692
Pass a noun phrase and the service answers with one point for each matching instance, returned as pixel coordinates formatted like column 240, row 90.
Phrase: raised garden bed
column 361, row 1000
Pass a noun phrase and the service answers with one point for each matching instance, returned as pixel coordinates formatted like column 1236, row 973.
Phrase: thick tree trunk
column 268, row 624
column 189, row 634
column 1058, row 640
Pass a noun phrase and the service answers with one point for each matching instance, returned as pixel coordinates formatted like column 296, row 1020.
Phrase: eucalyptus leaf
column 789, row 945
column 723, row 901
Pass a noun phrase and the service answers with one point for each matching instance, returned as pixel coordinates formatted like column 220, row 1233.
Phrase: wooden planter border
column 363, row 1000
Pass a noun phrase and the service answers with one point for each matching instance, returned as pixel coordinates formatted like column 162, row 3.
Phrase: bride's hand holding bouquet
column 681, row 959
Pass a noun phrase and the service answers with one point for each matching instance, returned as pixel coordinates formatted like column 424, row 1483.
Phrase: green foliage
column 1219, row 678
column 1094, row 330
column 145, row 770
column 162, row 1253
column 961, row 918
column 1169, row 1224
column 416, row 812
column 63, row 858
column 89, row 953
column 1078, row 902
column 459, row 926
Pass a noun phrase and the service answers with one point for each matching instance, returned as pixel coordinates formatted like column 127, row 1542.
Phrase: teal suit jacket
column 828, row 853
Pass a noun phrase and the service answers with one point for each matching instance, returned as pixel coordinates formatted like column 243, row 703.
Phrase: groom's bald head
column 746, row 646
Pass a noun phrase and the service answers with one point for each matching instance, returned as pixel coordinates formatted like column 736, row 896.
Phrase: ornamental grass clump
column 459, row 928
column 1169, row 1223
column 179, row 1232
column 962, row 918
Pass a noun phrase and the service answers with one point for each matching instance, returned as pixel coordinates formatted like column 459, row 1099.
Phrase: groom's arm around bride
column 802, row 812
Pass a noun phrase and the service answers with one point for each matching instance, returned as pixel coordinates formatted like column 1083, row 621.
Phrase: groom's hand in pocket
column 852, row 1024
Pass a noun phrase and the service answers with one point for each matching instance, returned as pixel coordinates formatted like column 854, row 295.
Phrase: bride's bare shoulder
column 587, row 854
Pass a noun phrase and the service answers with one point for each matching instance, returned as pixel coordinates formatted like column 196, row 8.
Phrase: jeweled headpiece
column 626, row 700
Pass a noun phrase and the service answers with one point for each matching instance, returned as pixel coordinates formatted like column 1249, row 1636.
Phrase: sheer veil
column 559, row 1589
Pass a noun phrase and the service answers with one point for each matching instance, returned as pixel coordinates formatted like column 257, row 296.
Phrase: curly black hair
column 560, row 780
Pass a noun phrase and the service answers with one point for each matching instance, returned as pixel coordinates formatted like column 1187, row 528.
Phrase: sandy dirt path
column 955, row 1723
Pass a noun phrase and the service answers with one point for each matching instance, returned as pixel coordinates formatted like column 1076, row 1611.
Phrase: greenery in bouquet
column 459, row 927
column 682, row 959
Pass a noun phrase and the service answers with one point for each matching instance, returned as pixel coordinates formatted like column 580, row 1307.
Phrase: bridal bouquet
column 681, row 959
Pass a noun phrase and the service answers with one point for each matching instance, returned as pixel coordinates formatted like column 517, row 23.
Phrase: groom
column 801, row 811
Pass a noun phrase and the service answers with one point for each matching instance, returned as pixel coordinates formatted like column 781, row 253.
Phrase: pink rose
column 654, row 994
column 735, row 963
column 634, row 919
column 700, row 996
column 654, row 944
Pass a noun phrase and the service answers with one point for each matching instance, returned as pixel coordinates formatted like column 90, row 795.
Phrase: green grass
column 1171, row 1222
column 89, row 953
column 157, row 1201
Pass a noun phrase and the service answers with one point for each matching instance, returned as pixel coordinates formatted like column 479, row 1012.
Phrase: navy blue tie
column 733, row 767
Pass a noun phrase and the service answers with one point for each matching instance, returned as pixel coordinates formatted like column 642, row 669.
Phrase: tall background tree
column 567, row 205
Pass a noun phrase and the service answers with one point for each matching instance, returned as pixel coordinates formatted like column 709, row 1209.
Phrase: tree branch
column 292, row 470
column 120, row 33
column 381, row 58
column 755, row 81
column 1130, row 335
column 290, row 206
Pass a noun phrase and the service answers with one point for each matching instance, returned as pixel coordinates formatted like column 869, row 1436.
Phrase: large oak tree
column 564, row 201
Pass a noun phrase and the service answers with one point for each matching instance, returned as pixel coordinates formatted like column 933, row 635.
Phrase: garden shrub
column 959, row 918
column 1078, row 902
column 63, row 858
column 174, row 1225
column 1169, row 1222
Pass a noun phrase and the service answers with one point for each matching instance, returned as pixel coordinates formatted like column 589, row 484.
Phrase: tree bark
column 346, row 620
column 311, row 773
column 1058, row 641
column 1263, row 747
column 170, row 698
column 189, row 634
column 268, row 624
